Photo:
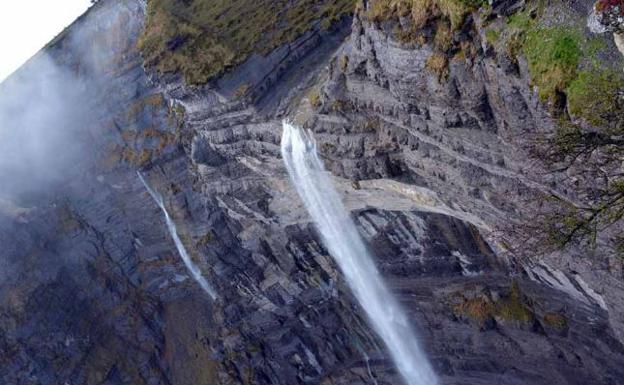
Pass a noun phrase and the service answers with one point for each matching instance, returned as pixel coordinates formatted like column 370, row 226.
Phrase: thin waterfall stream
column 345, row 244
column 193, row 269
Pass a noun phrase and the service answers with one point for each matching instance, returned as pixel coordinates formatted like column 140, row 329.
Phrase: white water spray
column 347, row 247
column 195, row 272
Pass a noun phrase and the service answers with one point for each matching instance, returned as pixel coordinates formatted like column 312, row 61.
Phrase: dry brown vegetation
column 203, row 38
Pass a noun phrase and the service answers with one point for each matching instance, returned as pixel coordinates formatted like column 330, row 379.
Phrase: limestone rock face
column 93, row 291
column 619, row 41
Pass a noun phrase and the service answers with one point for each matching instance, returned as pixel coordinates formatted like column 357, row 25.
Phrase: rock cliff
column 430, row 140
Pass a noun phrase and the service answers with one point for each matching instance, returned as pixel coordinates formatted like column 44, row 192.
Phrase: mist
column 43, row 111
column 54, row 115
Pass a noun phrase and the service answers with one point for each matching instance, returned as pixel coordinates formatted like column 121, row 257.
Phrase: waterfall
column 344, row 243
column 195, row 272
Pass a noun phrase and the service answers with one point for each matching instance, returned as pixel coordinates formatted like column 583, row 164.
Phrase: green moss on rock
column 553, row 55
column 597, row 97
column 492, row 36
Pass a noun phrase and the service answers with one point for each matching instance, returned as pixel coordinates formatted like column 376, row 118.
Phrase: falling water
column 195, row 272
column 345, row 244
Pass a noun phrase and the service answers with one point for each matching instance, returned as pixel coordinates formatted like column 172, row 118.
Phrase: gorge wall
column 433, row 162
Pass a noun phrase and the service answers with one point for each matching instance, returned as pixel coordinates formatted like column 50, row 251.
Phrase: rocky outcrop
column 619, row 41
column 609, row 16
column 470, row 138
column 428, row 169
column 610, row 13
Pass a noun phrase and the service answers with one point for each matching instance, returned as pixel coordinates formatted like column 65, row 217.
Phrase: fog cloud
column 43, row 112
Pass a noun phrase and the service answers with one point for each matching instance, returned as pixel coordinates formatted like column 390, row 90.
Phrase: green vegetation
column 569, row 224
column 596, row 96
column 553, row 55
column 587, row 97
column 595, row 45
column 492, row 36
column 171, row 44
column 203, row 38
column 512, row 307
column 445, row 17
column 521, row 21
column 584, row 155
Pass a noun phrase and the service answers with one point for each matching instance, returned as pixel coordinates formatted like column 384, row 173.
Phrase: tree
column 588, row 147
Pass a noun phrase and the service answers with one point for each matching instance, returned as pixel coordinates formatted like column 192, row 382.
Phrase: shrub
column 596, row 96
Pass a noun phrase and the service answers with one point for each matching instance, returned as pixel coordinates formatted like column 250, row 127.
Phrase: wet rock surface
column 97, row 294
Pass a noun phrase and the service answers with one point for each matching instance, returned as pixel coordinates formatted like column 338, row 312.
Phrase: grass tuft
column 201, row 39
column 553, row 55
column 420, row 12
column 437, row 64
